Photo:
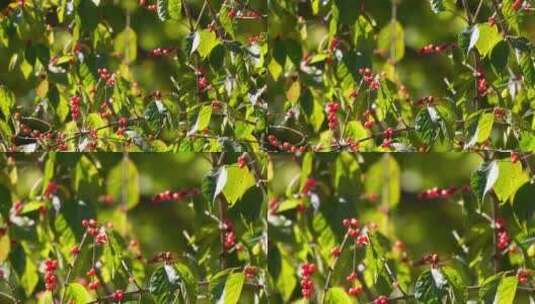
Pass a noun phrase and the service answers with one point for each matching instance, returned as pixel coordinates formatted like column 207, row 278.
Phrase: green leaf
column 437, row 6
column 456, row 283
column 203, row 120
column 164, row 283
column 155, row 115
column 25, row 269
column 46, row 298
column 484, row 178
column 233, row 288
column 527, row 142
column 391, row 41
column 383, row 179
column 169, row 9
column 86, row 179
column 337, row 295
column 126, row 44
column 430, row 125
column 294, row 92
column 286, row 280
column 123, row 183
column 487, row 292
column 162, row 9
column 346, row 11
column 499, row 56
column 214, row 182
column 175, row 9
column 7, row 101
column 5, row 245
column 505, row 294
column 430, row 287
column 528, row 68
column 239, row 181
column 484, row 129
column 77, row 293
column 207, row 41
column 487, row 38
column 510, row 179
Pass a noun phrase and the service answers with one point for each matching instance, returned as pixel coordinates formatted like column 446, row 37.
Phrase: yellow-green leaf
column 383, row 179
column 207, row 42
column 511, row 177
column 391, row 41
column 7, row 101
column 126, row 44
column 123, row 183
column 240, row 180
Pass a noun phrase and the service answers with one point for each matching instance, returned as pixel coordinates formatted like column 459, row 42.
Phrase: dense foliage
column 401, row 75
column 372, row 228
column 115, row 75
column 102, row 228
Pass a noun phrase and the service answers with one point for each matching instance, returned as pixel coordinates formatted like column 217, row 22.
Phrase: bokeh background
column 423, row 225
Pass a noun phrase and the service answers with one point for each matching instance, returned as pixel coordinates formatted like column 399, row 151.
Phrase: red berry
column 118, row 296
column 354, row 291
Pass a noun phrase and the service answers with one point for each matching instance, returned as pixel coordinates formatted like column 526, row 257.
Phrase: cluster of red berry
column 51, row 189
column 353, row 230
column 425, row 101
column 309, row 185
column 523, row 276
column 250, row 272
column 307, row 286
column 371, row 80
column 159, row 52
column 174, row 195
column 515, row 157
column 94, row 283
column 521, row 4
column 502, row 234
column 352, row 145
column 27, row 131
column 165, row 256
column 108, row 77
column 96, row 231
column 242, row 161
column 388, row 134
column 230, row 234
column 93, row 140
column 335, row 43
column 274, row 205
column 381, row 300
column 331, row 109
column 354, row 291
column 104, row 109
column 122, row 124
column 117, row 296
column 75, row 107
column 16, row 208
column 51, row 280
column 432, row 49
column 151, row 7
column 499, row 113
column 285, row 146
column 234, row 13
column 202, row 80
column 482, row 83
column 431, row 259
column 369, row 121
column 438, row 193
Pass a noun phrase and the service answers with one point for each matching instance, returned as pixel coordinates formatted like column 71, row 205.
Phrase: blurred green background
column 424, row 225
column 161, row 226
